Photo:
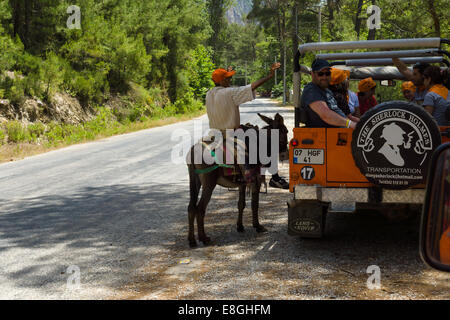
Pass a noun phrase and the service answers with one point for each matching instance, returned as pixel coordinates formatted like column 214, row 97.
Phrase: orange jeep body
column 338, row 168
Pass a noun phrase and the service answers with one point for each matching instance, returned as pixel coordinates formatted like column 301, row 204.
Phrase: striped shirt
column 222, row 106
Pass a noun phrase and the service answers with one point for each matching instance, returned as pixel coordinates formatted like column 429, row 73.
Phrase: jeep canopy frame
column 362, row 64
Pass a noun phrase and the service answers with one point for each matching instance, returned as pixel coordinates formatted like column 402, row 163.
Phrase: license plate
column 308, row 156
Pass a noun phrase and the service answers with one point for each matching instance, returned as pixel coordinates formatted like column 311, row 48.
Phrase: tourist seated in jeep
column 408, row 89
column 437, row 98
column 318, row 102
column 366, row 95
column 339, row 86
column 416, row 76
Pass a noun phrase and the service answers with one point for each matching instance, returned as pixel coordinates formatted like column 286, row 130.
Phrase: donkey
column 209, row 179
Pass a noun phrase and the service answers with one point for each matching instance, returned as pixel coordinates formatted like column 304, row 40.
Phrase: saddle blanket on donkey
column 225, row 157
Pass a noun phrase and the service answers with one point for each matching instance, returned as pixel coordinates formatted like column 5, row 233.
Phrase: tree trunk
column 437, row 25
column 331, row 29
column 16, row 16
column 28, row 13
column 294, row 29
column 357, row 19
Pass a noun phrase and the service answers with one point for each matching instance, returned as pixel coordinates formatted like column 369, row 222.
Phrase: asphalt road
column 107, row 208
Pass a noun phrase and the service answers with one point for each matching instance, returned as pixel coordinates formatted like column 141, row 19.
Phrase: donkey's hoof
column 206, row 240
column 192, row 244
column 240, row 228
column 260, row 229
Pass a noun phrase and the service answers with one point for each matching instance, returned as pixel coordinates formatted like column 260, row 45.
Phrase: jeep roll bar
column 388, row 62
column 362, row 60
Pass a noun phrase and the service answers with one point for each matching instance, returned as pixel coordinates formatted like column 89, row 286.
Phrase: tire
column 393, row 143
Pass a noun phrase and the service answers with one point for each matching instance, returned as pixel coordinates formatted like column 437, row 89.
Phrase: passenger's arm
column 260, row 82
column 329, row 116
column 430, row 109
column 402, row 68
column 353, row 118
column 357, row 112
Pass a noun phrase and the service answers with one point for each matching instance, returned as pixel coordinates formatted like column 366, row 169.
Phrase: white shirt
column 222, row 106
column 353, row 101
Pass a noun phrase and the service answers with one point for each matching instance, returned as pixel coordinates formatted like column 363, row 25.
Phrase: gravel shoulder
column 275, row 265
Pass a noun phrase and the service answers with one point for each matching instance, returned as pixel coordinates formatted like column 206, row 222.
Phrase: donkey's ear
column 279, row 118
column 265, row 119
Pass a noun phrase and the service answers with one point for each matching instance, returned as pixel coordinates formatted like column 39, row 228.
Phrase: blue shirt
column 353, row 101
column 439, row 104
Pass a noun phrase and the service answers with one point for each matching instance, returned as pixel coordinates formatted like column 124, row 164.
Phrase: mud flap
column 307, row 218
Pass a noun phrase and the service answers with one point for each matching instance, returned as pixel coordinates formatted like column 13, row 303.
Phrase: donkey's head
column 277, row 123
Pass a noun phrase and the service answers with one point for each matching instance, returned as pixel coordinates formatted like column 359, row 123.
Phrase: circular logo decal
column 393, row 143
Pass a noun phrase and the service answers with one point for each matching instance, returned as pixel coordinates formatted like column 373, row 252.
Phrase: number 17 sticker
column 308, row 173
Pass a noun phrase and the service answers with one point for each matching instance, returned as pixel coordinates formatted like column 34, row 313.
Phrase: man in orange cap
column 408, row 89
column 223, row 101
column 366, row 98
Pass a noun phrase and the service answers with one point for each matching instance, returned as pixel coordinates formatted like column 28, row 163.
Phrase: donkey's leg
column 241, row 207
column 208, row 184
column 255, row 206
column 194, row 188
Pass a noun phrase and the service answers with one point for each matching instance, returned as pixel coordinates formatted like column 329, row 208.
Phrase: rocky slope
column 62, row 108
column 239, row 10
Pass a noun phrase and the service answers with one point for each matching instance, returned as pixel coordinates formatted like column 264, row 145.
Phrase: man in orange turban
column 408, row 89
column 366, row 96
column 339, row 87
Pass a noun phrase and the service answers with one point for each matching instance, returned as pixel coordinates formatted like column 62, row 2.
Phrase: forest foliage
column 167, row 49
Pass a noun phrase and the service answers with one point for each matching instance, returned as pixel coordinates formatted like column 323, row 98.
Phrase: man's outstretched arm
column 402, row 68
column 260, row 82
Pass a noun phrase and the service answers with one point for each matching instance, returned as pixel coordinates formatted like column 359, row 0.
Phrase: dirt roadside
column 274, row 265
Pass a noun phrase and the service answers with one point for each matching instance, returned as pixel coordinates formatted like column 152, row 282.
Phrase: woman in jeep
column 437, row 99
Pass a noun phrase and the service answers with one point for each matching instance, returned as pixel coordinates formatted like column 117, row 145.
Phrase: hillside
column 238, row 11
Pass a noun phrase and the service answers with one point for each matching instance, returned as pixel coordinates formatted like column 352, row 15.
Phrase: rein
column 214, row 167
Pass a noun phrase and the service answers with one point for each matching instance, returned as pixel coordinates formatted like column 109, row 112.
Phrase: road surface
column 105, row 208
column 116, row 211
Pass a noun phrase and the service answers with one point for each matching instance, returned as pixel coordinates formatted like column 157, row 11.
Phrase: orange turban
column 366, row 84
column 338, row 76
column 408, row 85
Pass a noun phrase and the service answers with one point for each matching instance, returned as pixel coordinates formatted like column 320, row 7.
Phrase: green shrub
column 36, row 131
column 16, row 132
column 277, row 91
column 2, row 136
column 54, row 133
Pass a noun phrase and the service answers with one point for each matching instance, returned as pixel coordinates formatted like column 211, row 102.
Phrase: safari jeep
column 384, row 162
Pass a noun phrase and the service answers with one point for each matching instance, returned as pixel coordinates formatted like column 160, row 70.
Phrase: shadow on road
column 105, row 231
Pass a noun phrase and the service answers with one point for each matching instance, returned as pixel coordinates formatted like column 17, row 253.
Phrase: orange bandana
column 440, row 90
column 408, row 85
column 338, row 76
column 366, row 84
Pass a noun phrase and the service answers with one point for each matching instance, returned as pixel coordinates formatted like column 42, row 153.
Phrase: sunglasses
column 326, row 73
